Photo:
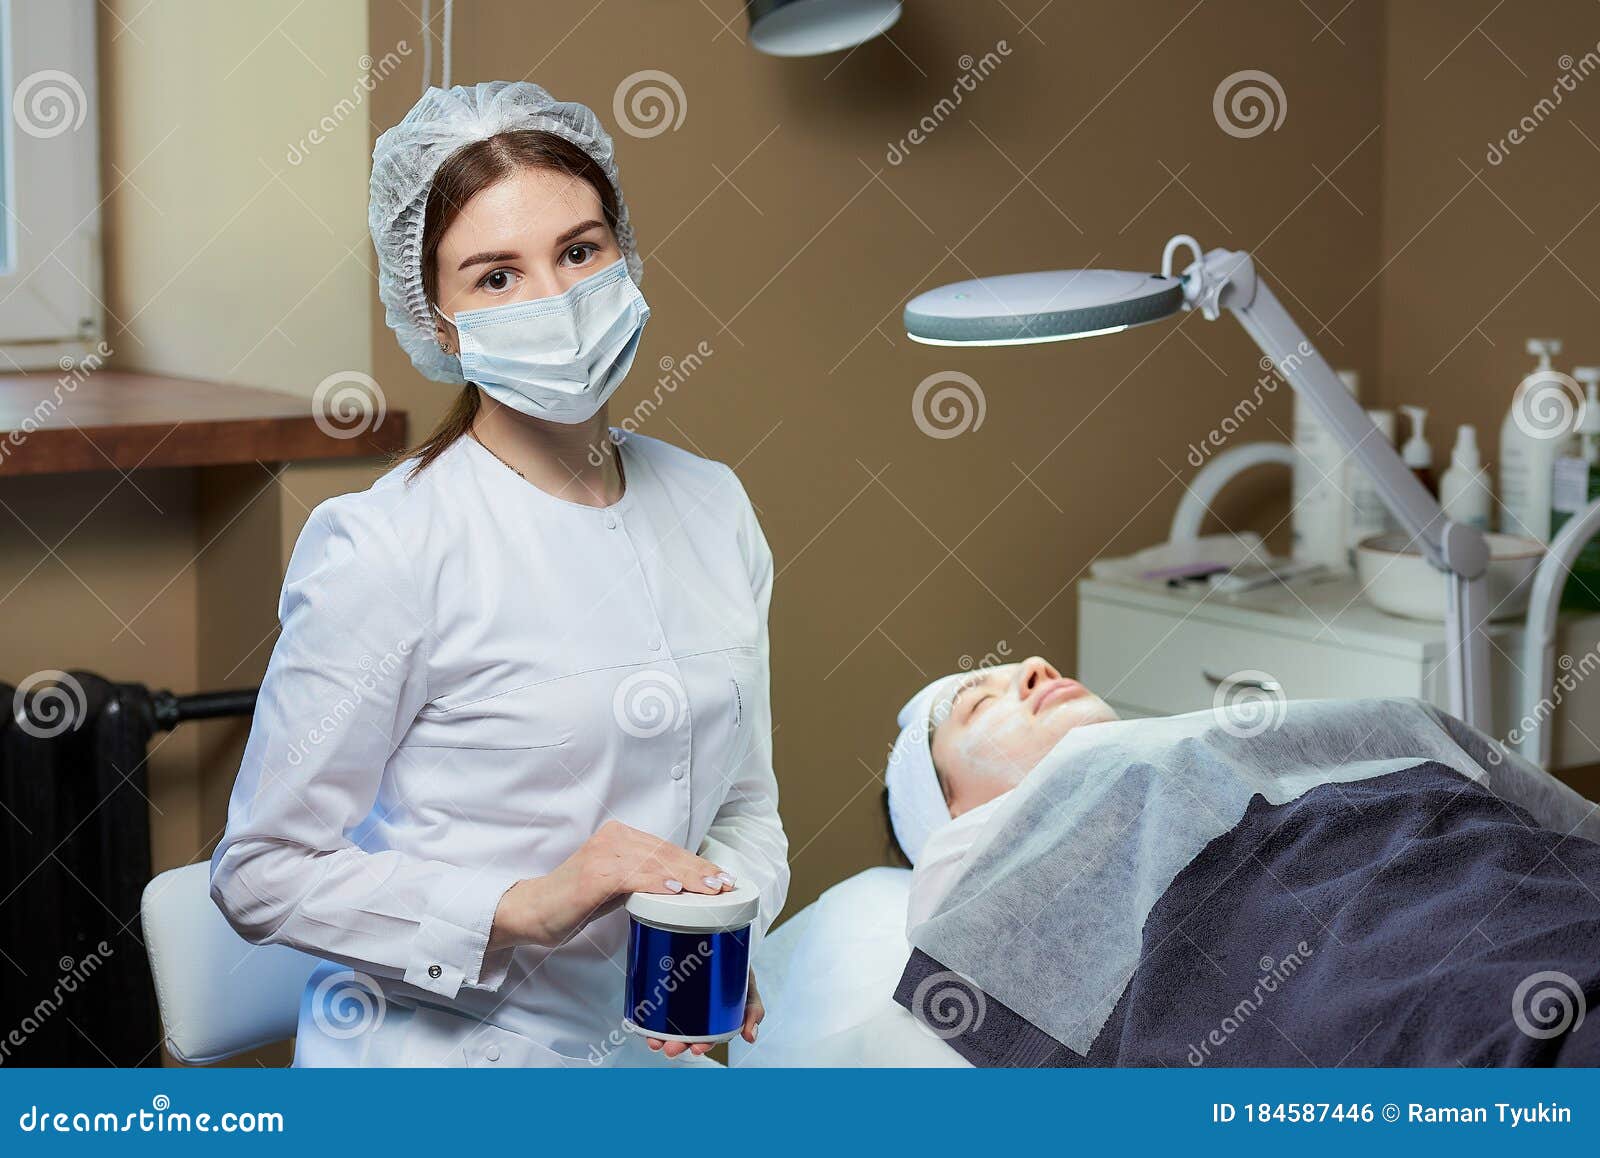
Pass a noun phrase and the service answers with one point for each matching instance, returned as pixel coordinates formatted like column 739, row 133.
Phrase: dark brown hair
column 465, row 173
column 891, row 845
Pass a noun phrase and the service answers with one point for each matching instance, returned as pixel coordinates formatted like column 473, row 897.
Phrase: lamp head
column 815, row 27
column 1053, row 306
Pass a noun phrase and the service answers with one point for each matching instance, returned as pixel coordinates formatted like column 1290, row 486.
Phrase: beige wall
column 223, row 261
column 774, row 229
column 1481, row 255
column 229, row 259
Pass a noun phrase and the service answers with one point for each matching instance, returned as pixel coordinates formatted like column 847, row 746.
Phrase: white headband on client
column 916, row 802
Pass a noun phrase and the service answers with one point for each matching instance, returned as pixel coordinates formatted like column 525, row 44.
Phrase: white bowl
column 1397, row 579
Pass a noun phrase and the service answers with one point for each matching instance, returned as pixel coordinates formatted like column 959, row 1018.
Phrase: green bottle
column 1574, row 484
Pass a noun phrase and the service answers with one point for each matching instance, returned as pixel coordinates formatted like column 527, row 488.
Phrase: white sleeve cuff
column 451, row 945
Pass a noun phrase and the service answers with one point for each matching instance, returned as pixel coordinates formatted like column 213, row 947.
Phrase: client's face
column 1001, row 722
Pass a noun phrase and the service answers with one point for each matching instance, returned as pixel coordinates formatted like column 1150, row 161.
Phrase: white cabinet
column 1158, row 651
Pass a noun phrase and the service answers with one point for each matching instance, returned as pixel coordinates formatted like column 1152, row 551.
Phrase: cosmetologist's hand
column 594, row 880
column 754, row 1011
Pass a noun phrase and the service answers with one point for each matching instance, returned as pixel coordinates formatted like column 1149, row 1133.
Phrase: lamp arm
column 1226, row 279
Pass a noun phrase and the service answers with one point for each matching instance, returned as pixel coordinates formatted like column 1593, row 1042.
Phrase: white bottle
column 1317, row 517
column 1369, row 514
column 1529, row 445
column 1464, row 490
column 1418, row 455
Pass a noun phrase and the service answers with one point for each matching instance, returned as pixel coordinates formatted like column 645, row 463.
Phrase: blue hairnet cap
column 404, row 162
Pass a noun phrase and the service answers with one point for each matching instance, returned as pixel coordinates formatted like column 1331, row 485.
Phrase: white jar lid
column 697, row 912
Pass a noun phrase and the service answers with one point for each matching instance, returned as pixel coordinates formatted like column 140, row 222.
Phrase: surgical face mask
column 557, row 358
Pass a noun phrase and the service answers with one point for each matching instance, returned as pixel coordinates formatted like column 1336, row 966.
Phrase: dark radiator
column 75, row 817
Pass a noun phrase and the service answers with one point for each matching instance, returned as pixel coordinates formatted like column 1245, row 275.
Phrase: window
column 50, row 276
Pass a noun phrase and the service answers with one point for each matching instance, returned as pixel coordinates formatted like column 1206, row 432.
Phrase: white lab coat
column 472, row 677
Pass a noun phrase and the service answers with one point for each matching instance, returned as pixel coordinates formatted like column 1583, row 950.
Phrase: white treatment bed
column 828, row 975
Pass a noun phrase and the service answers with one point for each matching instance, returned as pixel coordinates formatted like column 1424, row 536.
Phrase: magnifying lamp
column 1021, row 309
column 816, row 27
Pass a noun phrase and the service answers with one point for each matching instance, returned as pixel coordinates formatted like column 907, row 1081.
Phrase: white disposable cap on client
column 917, row 806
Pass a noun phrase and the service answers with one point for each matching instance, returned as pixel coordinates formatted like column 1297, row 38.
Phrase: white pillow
column 835, row 1003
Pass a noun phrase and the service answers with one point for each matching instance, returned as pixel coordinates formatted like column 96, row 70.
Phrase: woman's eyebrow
column 577, row 230
column 487, row 256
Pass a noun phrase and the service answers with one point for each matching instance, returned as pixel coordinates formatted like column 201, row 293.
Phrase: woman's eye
column 497, row 281
column 579, row 254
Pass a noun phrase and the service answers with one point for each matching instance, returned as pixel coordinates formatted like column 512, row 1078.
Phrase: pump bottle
column 1529, row 445
column 1418, row 455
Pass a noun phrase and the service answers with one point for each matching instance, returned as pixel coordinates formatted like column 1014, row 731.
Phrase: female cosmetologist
column 526, row 671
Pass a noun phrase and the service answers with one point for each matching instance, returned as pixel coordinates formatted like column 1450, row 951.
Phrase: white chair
column 219, row 994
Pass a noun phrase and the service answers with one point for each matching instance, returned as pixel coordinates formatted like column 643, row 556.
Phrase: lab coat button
column 435, row 972
column 492, row 1053
column 655, row 643
column 611, row 522
column 678, row 771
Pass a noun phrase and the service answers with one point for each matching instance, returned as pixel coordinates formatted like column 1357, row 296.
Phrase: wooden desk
column 108, row 420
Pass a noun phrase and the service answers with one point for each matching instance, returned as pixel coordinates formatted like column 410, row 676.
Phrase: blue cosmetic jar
column 689, row 963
